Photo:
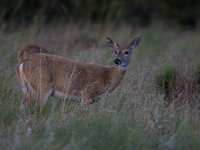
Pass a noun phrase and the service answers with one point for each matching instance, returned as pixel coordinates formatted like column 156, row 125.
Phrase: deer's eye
column 126, row 52
column 115, row 52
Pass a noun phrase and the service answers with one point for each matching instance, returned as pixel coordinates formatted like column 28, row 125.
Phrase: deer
column 42, row 75
column 29, row 50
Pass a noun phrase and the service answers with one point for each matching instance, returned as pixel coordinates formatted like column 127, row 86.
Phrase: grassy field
column 135, row 116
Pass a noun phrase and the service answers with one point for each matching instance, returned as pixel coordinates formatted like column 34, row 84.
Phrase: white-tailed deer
column 29, row 50
column 42, row 75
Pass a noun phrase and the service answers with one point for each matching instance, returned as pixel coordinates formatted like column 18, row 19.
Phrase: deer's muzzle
column 117, row 61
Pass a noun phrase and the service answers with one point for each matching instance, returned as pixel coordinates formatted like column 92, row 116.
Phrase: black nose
column 117, row 61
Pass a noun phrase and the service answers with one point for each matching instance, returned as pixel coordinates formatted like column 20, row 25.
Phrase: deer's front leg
column 86, row 100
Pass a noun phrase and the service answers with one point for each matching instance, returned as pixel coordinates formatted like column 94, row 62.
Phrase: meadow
column 135, row 115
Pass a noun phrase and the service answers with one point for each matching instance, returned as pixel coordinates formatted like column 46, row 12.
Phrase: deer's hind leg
column 29, row 94
column 42, row 96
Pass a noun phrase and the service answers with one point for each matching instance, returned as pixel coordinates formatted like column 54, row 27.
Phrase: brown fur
column 42, row 75
column 29, row 50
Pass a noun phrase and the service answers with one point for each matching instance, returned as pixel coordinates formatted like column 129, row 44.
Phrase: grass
column 166, row 80
column 134, row 116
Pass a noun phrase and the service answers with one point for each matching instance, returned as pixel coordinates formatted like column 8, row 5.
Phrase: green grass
column 134, row 116
column 166, row 80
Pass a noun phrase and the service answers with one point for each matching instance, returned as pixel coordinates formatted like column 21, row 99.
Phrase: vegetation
column 144, row 12
column 179, row 83
column 166, row 80
column 134, row 116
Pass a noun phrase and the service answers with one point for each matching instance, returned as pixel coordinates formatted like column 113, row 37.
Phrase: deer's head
column 123, row 53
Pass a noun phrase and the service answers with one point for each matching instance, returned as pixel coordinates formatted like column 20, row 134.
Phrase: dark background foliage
column 141, row 12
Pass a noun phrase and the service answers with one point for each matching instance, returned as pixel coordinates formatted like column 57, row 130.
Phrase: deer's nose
column 117, row 61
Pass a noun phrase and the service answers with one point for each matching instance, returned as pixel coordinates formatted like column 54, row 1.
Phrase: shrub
column 166, row 80
column 179, row 87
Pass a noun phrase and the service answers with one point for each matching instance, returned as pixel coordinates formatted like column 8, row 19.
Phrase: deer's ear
column 111, row 43
column 135, row 43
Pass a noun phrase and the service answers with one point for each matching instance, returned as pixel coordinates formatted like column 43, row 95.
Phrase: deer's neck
column 115, row 75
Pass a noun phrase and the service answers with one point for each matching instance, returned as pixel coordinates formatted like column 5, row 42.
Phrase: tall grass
column 134, row 116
